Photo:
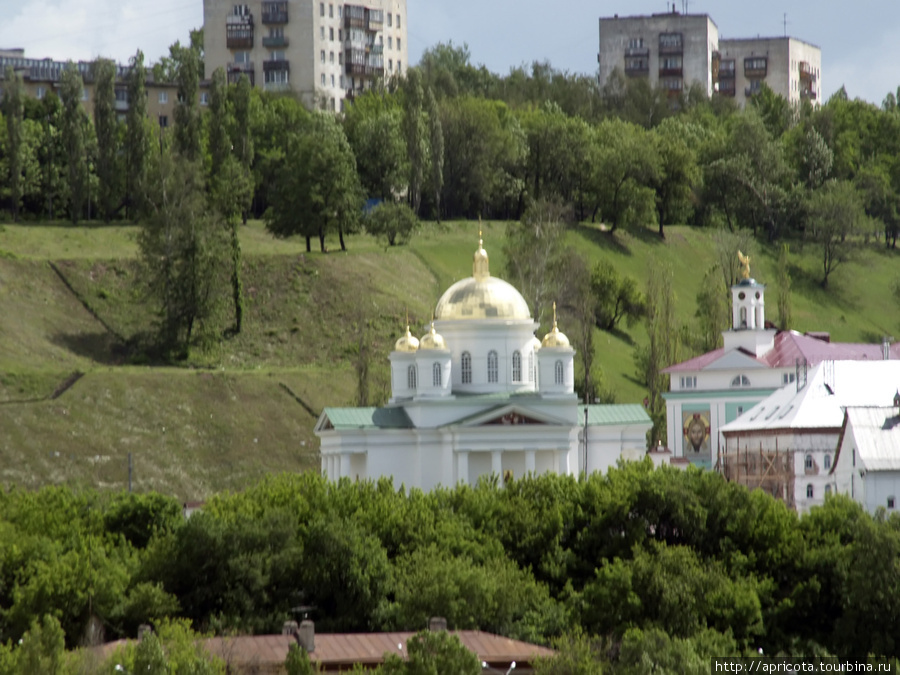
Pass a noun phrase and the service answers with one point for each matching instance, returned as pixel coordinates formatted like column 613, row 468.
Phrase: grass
column 68, row 300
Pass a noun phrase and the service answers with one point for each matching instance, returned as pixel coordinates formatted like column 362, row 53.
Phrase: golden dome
column 554, row 338
column 432, row 340
column 481, row 296
column 407, row 343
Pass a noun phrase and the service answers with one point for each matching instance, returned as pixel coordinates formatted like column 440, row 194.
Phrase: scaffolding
column 771, row 471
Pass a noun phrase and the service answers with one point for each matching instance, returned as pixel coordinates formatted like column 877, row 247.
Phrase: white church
column 479, row 395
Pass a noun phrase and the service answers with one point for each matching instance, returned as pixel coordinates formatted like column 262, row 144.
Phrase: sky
column 859, row 42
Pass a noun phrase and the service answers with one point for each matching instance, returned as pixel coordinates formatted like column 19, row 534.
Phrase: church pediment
column 736, row 359
column 508, row 415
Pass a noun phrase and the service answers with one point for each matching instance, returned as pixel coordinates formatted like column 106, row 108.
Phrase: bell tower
column 748, row 315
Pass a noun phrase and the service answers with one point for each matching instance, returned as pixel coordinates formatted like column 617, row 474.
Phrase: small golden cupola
column 407, row 343
column 480, row 263
column 432, row 340
column 554, row 338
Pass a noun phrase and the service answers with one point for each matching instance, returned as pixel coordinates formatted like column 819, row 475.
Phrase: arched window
column 808, row 463
column 743, row 317
column 517, row 366
column 466, row 368
column 436, row 374
column 828, row 489
column 810, row 491
column 411, row 377
column 558, row 373
column 531, row 366
column 890, row 502
column 493, row 375
column 740, row 381
column 827, row 462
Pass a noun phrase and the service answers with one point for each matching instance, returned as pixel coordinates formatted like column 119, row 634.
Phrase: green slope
column 248, row 407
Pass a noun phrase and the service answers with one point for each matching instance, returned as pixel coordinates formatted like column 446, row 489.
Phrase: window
column 636, row 43
column 436, row 374
column 466, row 368
column 163, row 121
column 890, row 502
column 322, row 56
column 341, row 62
column 277, row 56
column 322, row 79
column 390, row 65
column 743, row 317
column 398, row 45
column 322, row 32
column 278, row 77
column 808, row 463
column 41, row 92
column 741, row 381
column 517, row 367
column 239, row 57
column 740, row 410
column 810, row 491
column 411, row 377
column 332, row 80
column 340, row 11
column 558, row 375
column 389, row 19
column 204, row 98
column 390, row 41
column 788, row 378
column 827, row 489
column 827, row 462
column 531, row 366
column 330, row 57
column 240, row 10
column 330, row 11
column 493, row 374
column 398, row 21
column 689, row 382
column 331, row 33
column 84, row 94
column 340, row 34
column 399, row 66
column 321, row 9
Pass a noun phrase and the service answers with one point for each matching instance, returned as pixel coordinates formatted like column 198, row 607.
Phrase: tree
column 395, row 222
column 535, row 255
column 433, row 653
column 415, row 134
column 42, row 650
column 835, row 214
column 106, row 128
column 298, row 662
column 182, row 248
column 72, row 132
column 436, row 146
column 375, row 135
column 242, row 137
column 14, row 110
column 623, row 168
column 580, row 305
column 712, row 311
column 678, row 173
column 187, row 110
column 319, row 188
column 783, row 294
column 137, row 138
column 617, row 297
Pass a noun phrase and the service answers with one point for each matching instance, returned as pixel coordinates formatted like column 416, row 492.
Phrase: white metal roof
column 877, row 435
column 831, row 386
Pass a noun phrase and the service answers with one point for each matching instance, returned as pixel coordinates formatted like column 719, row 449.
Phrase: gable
column 509, row 415
column 736, row 359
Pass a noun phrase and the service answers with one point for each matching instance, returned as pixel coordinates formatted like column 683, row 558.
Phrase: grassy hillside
column 73, row 403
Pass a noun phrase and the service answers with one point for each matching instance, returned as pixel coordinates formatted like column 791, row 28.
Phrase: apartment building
column 674, row 51
column 671, row 50
column 43, row 76
column 323, row 51
column 789, row 66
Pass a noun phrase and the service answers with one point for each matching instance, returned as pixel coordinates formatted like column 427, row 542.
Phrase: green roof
column 368, row 418
column 607, row 415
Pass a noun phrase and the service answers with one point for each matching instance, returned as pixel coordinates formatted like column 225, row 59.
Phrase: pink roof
column 791, row 346
column 266, row 653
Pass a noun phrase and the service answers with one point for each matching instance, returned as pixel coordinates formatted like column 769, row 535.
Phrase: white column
column 562, row 459
column 529, row 461
column 345, row 466
column 462, row 467
column 497, row 464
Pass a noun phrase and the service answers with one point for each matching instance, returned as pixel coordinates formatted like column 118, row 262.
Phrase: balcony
column 808, row 92
column 374, row 19
column 354, row 16
column 670, row 71
column 726, row 70
column 637, row 66
column 726, row 88
column 807, row 73
column 234, row 76
column 755, row 67
column 274, row 13
column 274, row 42
column 276, row 64
column 671, row 43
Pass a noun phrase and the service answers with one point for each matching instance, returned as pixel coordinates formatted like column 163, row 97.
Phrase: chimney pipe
column 289, row 628
column 437, row 623
column 306, row 635
column 143, row 630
